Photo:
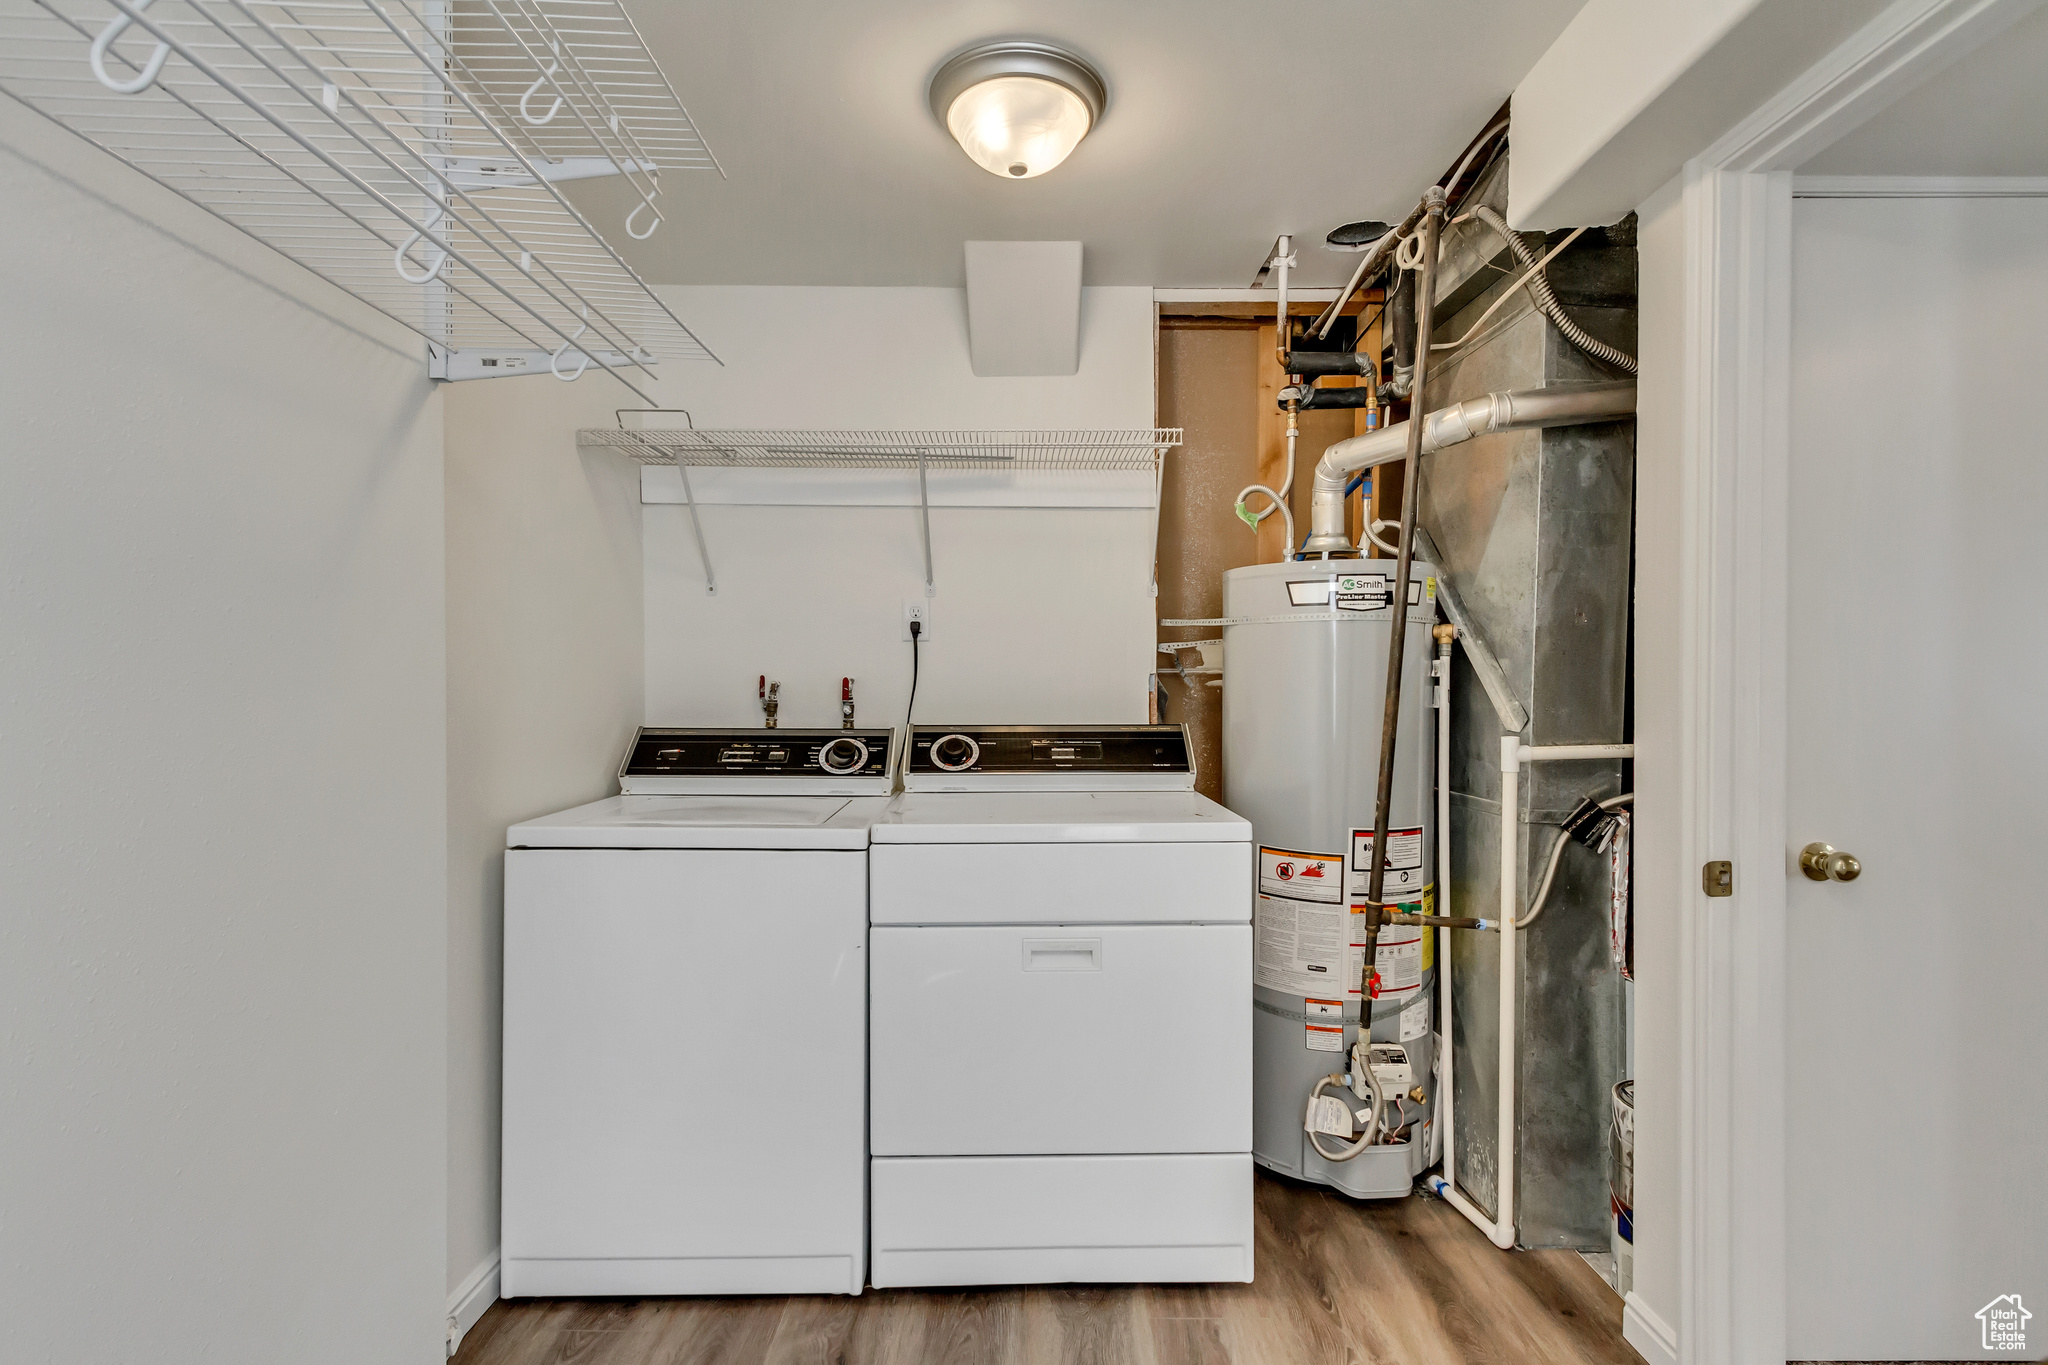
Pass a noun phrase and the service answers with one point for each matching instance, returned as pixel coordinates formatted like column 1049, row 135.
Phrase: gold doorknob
column 1826, row 863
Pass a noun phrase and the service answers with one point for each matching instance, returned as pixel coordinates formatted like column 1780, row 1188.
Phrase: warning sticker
column 1299, row 923
column 1415, row 1020
column 1403, row 880
column 1324, row 1009
column 1324, row 1037
column 1301, row 876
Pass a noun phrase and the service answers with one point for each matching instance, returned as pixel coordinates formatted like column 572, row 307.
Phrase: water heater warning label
column 1404, row 865
column 1300, row 925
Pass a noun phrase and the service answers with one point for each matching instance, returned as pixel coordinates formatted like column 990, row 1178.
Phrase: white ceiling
column 1229, row 122
column 1987, row 114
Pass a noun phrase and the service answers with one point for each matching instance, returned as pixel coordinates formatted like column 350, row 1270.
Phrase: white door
column 1917, row 1105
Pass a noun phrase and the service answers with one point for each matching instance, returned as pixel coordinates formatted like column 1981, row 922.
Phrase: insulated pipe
column 1559, row 405
column 1400, row 330
column 1314, row 364
column 1313, row 400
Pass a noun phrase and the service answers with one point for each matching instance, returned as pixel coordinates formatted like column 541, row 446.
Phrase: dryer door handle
column 1062, row 954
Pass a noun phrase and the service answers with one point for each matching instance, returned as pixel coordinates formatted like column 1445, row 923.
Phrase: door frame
column 1736, row 210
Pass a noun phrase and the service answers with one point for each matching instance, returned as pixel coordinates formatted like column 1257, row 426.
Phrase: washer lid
column 1058, row 818
column 713, row 821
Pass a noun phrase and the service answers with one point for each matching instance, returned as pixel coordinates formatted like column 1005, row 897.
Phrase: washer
column 1060, row 1029
column 685, row 1012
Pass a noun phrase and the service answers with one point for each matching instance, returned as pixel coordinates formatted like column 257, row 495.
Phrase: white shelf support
column 924, row 521
column 697, row 529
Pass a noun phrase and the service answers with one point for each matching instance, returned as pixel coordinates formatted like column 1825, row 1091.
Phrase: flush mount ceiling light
column 1017, row 108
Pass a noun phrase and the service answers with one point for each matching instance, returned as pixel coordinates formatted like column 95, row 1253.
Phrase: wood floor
column 1405, row 1281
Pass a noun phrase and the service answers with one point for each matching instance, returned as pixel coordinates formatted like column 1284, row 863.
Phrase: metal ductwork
column 1556, row 406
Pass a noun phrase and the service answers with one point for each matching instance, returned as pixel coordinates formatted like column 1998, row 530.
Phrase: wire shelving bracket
column 408, row 151
column 1140, row 450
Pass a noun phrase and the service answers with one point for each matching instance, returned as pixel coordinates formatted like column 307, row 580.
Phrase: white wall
column 222, row 755
column 1040, row 614
column 544, row 689
column 1660, row 332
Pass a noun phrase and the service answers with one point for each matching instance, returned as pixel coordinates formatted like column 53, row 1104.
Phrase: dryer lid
column 1058, row 817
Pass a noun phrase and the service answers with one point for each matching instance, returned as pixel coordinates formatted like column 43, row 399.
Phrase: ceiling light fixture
column 1017, row 108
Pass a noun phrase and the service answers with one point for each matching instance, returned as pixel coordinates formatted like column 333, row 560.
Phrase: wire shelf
column 409, row 151
column 1140, row 450
column 1137, row 450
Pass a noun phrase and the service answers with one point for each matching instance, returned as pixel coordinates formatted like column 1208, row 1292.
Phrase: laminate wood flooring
column 1403, row 1282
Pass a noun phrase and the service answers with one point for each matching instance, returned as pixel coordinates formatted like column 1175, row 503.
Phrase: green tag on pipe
column 1246, row 517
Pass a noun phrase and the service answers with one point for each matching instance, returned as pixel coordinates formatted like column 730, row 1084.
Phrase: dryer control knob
column 955, row 753
column 843, row 755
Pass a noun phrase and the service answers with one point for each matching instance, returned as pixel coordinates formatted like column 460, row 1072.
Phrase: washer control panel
column 767, row 753
column 1051, row 750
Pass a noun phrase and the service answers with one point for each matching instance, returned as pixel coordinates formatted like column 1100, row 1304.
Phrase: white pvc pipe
column 1503, row 1231
column 1283, row 256
column 1558, row 753
column 1513, row 754
column 1443, row 899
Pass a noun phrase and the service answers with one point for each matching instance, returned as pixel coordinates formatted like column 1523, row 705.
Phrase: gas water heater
column 1305, row 650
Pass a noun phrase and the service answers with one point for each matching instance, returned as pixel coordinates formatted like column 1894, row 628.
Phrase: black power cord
column 916, row 630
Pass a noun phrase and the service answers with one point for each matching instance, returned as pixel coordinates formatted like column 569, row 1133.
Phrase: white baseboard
column 478, row 1291
column 1652, row 1337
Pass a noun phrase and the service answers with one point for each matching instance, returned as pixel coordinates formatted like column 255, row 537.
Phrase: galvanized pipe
column 1432, row 230
column 1557, row 406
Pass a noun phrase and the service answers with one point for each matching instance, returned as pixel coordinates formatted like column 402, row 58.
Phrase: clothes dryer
column 1060, row 1022
column 685, row 1015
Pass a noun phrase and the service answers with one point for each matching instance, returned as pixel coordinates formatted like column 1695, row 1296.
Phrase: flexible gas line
column 1379, row 1099
column 1279, row 499
column 1542, row 896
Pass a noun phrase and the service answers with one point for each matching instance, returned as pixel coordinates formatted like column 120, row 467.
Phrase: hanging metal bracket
column 500, row 362
column 924, row 521
column 697, row 528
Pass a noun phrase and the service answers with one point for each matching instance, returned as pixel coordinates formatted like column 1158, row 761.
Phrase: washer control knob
column 955, row 753
column 843, row 755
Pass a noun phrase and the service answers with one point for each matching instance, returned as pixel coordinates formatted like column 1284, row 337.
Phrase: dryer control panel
column 1052, row 757
column 663, row 761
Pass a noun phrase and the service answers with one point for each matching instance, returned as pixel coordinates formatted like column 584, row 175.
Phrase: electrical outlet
column 917, row 609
